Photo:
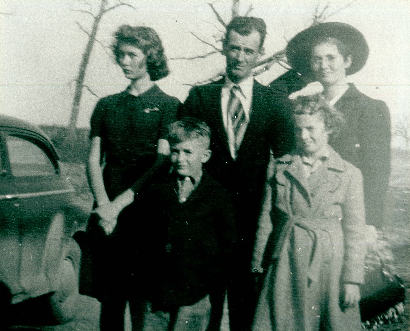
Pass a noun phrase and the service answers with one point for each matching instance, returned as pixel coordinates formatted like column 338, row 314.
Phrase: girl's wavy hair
column 316, row 104
column 148, row 41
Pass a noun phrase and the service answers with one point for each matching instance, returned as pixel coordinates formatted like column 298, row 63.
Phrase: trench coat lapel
column 294, row 172
column 329, row 180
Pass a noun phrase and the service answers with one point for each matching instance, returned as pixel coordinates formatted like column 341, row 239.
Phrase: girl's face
column 132, row 61
column 328, row 64
column 311, row 133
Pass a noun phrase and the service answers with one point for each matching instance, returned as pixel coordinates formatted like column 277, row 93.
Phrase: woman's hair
column 147, row 40
column 343, row 49
column 189, row 128
column 316, row 104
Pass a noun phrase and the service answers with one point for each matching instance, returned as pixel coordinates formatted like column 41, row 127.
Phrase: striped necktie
column 237, row 114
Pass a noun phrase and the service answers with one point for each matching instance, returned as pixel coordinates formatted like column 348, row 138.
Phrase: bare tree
column 103, row 9
column 321, row 13
column 402, row 129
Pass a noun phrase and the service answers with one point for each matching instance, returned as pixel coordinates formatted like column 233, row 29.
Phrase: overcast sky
column 41, row 48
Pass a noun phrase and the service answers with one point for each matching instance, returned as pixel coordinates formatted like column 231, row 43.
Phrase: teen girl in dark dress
column 127, row 145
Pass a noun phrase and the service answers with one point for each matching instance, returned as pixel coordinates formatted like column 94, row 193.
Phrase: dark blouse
column 129, row 127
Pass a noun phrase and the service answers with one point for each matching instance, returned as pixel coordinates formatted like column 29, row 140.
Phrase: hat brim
column 298, row 50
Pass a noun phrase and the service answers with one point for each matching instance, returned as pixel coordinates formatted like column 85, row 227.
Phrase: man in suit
column 246, row 123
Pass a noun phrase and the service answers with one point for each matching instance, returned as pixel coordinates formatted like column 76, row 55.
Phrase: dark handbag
column 382, row 296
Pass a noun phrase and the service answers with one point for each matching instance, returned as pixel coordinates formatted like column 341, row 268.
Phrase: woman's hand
column 351, row 295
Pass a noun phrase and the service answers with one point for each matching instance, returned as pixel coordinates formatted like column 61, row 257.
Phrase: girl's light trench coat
column 313, row 230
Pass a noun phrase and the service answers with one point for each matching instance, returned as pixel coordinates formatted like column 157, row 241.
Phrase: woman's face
column 311, row 133
column 132, row 61
column 328, row 64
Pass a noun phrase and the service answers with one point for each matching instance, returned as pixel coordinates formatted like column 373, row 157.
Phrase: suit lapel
column 214, row 105
column 255, row 119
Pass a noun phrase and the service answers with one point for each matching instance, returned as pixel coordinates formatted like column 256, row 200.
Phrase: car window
column 28, row 159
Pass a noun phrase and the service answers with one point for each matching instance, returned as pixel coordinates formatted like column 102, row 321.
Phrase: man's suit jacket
column 269, row 128
column 364, row 141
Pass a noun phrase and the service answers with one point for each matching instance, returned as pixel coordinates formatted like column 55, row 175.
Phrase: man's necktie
column 237, row 114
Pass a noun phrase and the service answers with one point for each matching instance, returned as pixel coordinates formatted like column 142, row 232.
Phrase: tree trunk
column 235, row 8
column 79, row 83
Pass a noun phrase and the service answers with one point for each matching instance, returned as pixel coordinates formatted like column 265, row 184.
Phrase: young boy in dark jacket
column 188, row 237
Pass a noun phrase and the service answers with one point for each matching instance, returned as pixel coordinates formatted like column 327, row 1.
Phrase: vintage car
column 39, row 260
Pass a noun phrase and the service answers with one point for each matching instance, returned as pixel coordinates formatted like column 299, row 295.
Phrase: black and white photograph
column 204, row 165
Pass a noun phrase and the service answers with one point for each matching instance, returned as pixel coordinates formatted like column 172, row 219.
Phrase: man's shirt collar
column 245, row 85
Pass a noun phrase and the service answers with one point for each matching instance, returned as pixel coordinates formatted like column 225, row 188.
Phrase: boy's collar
column 194, row 179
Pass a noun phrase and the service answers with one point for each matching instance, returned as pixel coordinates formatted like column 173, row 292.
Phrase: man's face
column 132, row 61
column 242, row 53
column 310, row 133
column 188, row 156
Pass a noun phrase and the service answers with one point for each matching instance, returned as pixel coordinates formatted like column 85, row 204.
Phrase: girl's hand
column 108, row 225
column 351, row 295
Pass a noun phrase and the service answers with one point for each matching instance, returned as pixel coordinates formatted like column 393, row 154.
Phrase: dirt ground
column 397, row 226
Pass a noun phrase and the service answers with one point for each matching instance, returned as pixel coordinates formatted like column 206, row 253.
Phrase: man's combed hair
column 245, row 25
column 189, row 128
column 316, row 104
column 148, row 41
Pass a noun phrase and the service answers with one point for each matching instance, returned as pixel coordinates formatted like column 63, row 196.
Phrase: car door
column 33, row 226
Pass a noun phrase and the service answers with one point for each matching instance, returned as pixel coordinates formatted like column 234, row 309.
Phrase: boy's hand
column 351, row 295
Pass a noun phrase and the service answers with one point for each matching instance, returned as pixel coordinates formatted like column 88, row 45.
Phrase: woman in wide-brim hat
column 330, row 52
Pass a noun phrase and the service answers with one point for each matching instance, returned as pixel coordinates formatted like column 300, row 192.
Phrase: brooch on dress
column 150, row 110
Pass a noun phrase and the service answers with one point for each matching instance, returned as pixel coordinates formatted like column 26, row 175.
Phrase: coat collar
column 351, row 93
column 289, row 169
column 290, row 161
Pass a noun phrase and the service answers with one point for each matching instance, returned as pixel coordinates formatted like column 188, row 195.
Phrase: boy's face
column 188, row 156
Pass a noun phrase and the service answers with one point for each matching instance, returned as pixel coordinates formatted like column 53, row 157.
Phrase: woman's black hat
column 299, row 48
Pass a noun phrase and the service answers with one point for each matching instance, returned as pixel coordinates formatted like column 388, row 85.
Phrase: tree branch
column 117, row 6
column 250, row 8
column 218, row 17
column 201, row 56
column 235, row 8
column 340, row 9
column 83, row 29
column 274, row 57
column 104, row 47
column 83, row 11
column 205, row 42
column 319, row 16
column 209, row 80
column 90, row 90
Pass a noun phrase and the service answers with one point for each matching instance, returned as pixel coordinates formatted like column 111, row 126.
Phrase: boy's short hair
column 189, row 128
column 316, row 104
